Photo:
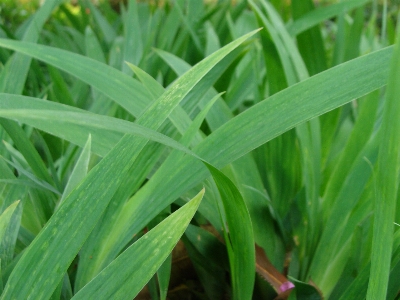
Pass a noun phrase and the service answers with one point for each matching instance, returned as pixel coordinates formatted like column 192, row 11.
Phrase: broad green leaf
column 125, row 277
column 387, row 183
column 239, row 239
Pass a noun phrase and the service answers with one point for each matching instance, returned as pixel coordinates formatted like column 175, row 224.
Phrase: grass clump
column 253, row 144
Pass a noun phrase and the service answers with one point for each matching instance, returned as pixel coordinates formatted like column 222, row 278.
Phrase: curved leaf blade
column 126, row 275
column 241, row 241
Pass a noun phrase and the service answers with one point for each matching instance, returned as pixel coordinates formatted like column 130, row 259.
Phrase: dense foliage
column 199, row 150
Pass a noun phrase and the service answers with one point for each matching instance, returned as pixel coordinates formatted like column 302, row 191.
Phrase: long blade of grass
column 359, row 136
column 133, row 44
column 5, row 218
column 107, row 30
column 125, row 277
column 45, row 118
column 108, row 80
column 387, row 181
column 358, row 288
column 80, row 170
column 240, row 242
column 102, row 140
column 319, row 15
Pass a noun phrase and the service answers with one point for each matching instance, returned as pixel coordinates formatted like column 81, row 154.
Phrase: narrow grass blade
column 106, row 79
column 26, row 148
column 310, row 43
column 92, row 46
column 163, row 276
column 133, row 44
column 125, row 277
column 106, row 29
column 322, row 268
column 80, row 170
column 319, row 15
column 9, row 239
column 239, row 240
column 102, row 140
column 360, row 134
column 43, row 119
column 358, row 288
column 387, row 181
column 5, row 218
column 189, row 27
column 60, row 88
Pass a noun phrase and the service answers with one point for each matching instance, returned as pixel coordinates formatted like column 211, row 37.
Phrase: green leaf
column 387, row 183
column 240, row 242
column 5, row 218
column 305, row 291
column 80, row 170
column 125, row 277
column 133, row 44
column 106, row 29
column 106, row 79
column 163, row 276
column 45, row 118
column 319, row 15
